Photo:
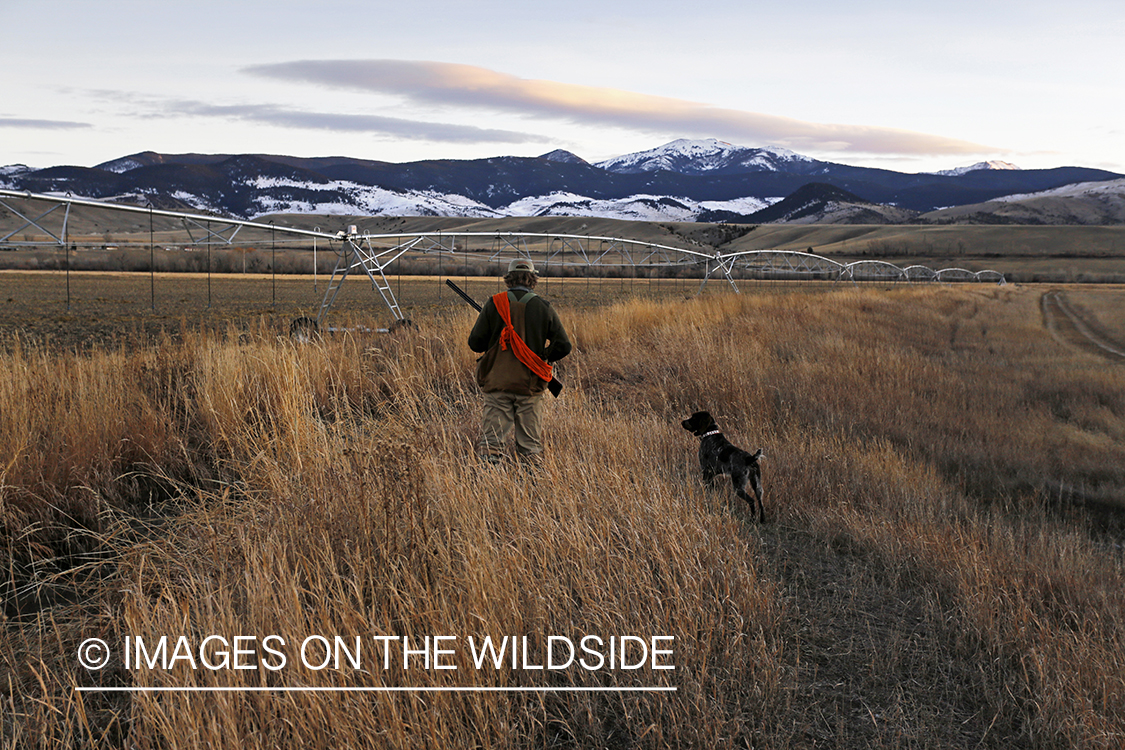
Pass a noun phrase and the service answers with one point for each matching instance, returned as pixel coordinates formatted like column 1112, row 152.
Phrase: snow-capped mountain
column 980, row 165
column 1088, row 203
column 709, row 156
column 633, row 207
column 11, row 171
column 563, row 157
column 119, row 166
column 686, row 180
column 1077, row 190
column 342, row 198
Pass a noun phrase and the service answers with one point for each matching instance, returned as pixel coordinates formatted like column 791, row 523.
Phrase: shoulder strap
column 520, row 349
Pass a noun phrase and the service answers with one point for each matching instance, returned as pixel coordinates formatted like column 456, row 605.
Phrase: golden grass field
column 941, row 567
column 116, row 307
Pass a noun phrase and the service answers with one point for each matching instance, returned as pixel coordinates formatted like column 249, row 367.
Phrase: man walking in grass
column 519, row 334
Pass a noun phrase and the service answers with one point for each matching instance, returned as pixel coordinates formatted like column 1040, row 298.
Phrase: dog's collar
column 712, row 432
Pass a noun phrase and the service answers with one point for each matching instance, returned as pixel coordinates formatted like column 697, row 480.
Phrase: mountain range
column 685, row 180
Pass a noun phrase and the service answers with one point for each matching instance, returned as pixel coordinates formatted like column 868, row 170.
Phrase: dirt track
column 1075, row 326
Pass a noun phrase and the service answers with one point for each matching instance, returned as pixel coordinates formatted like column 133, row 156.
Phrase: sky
column 913, row 87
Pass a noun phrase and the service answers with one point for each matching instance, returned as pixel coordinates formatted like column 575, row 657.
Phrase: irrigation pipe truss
column 372, row 254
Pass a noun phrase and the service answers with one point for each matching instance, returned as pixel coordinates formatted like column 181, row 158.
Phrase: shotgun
column 555, row 387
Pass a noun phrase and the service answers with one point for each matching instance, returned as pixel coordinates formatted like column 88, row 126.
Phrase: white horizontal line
column 481, row 689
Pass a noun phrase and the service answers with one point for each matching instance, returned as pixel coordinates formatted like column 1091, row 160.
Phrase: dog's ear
column 759, row 455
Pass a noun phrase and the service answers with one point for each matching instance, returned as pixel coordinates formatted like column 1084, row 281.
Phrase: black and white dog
column 718, row 456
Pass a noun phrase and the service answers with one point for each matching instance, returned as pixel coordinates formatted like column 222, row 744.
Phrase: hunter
column 520, row 335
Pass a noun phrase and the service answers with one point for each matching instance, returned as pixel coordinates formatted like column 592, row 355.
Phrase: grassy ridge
column 933, row 572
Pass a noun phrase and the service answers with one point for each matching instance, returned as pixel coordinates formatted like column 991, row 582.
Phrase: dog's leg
column 756, row 485
column 739, row 482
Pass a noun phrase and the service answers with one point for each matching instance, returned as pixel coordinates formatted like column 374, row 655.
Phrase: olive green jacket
column 537, row 323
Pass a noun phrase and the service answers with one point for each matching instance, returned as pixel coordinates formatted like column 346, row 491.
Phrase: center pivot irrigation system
column 563, row 253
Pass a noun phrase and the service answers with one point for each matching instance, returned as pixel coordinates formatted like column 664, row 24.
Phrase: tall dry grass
column 941, row 566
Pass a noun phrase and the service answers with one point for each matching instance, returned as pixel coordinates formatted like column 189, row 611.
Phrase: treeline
column 290, row 261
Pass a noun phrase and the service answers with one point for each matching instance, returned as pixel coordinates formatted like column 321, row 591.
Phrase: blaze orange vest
column 509, row 337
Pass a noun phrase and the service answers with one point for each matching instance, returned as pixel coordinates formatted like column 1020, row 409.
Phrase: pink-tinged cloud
column 469, row 86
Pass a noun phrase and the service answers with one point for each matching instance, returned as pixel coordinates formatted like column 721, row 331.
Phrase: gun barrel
column 461, row 292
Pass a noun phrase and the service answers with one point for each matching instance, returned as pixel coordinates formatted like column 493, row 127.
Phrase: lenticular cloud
column 471, row 86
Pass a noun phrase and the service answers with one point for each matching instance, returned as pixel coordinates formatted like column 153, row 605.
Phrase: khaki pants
column 502, row 411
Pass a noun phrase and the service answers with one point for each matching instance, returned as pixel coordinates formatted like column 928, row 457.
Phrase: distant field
column 83, row 308
column 1023, row 253
column 108, row 306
